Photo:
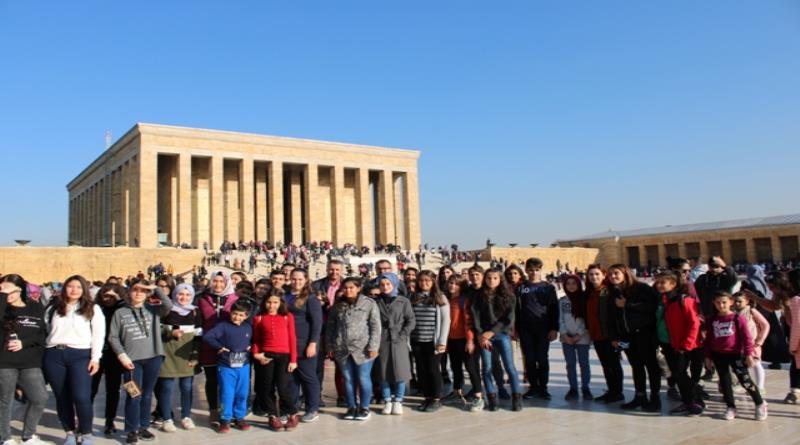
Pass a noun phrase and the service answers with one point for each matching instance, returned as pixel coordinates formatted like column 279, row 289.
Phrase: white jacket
column 569, row 325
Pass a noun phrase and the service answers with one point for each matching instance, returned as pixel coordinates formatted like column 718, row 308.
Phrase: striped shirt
column 425, row 329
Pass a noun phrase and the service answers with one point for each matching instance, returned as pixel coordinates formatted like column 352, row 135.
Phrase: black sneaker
column 146, row 435
column 572, row 394
column 543, row 394
column 109, row 430
column 350, row 414
column 603, row 397
column 680, row 410
column 638, row 401
column 587, row 394
column 363, row 414
column 653, row 405
column 132, row 437
column 613, row 398
column 531, row 394
column 424, row 405
column 695, row 409
column 433, row 406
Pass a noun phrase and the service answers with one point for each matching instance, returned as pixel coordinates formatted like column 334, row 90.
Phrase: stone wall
column 576, row 256
column 42, row 264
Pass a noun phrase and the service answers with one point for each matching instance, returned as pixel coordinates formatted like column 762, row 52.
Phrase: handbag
column 131, row 387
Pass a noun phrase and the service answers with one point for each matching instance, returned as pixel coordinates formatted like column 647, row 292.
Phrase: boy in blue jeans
column 231, row 339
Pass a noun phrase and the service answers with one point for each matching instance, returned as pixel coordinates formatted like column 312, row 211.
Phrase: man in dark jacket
column 537, row 326
column 325, row 290
column 720, row 277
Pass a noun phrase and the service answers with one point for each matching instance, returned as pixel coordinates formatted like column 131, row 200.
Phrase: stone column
column 386, row 233
column 261, row 203
column 134, row 210
column 750, row 243
column 364, row 220
column 296, row 205
column 777, row 250
column 147, row 199
column 337, row 205
column 126, row 203
column 398, row 186
column 726, row 251
column 311, row 204
column 275, row 194
column 217, row 210
column 704, row 251
column 92, row 215
column 412, row 223
column 185, row 200
column 662, row 255
column 247, row 217
column 682, row 249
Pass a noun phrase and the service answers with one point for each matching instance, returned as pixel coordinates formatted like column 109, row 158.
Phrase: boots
column 638, row 401
column 491, row 402
column 213, row 417
column 516, row 402
column 654, row 404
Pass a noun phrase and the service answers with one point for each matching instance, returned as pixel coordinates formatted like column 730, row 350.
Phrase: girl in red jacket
column 275, row 348
column 681, row 313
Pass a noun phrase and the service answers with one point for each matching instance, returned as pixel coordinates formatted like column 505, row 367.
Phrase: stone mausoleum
column 752, row 240
column 165, row 185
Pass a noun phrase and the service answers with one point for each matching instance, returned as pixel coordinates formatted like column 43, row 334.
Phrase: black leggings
column 429, row 376
column 276, row 377
column 679, row 364
column 644, row 363
column 212, row 387
column 724, row 363
column 612, row 369
column 457, row 351
column 112, row 369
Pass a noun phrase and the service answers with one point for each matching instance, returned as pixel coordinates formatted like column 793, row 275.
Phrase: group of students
column 384, row 335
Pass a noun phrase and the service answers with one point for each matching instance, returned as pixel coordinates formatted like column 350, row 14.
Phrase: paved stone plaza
column 556, row 422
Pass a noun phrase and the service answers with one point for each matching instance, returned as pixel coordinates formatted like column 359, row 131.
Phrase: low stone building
column 770, row 239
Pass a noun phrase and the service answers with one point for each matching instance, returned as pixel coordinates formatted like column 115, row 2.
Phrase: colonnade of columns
column 181, row 198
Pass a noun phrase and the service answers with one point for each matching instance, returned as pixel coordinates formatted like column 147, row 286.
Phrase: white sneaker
column 11, row 442
column 730, row 414
column 397, row 408
column 387, row 408
column 187, row 423
column 168, row 426
column 36, row 440
column 761, row 411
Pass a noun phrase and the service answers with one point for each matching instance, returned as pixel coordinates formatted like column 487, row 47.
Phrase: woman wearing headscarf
column 215, row 305
column 775, row 349
column 397, row 322
column 181, row 331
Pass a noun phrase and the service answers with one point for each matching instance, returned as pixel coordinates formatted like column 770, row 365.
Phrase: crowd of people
column 262, row 344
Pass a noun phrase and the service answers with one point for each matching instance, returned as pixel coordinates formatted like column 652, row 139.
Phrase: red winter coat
column 683, row 323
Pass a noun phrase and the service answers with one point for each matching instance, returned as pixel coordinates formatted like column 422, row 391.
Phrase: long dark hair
column 502, row 298
column 85, row 302
column 275, row 292
column 435, row 296
column 19, row 282
column 782, row 286
column 577, row 299
column 589, row 286
column 442, row 280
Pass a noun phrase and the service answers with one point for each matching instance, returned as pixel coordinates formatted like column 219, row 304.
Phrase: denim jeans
column 399, row 391
column 577, row 354
column 502, row 344
column 137, row 411
column 66, row 372
column 165, row 388
column 32, row 383
column 352, row 371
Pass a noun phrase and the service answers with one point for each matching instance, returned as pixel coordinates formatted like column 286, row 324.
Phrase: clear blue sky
column 537, row 120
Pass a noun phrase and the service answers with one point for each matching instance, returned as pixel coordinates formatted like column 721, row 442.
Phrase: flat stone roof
column 698, row 227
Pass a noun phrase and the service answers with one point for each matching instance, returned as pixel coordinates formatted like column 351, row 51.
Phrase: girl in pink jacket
column 758, row 326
